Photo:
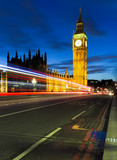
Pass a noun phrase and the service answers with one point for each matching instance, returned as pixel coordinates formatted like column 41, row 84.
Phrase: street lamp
column 34, row 82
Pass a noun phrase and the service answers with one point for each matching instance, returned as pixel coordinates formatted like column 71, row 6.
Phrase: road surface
column 70, row 127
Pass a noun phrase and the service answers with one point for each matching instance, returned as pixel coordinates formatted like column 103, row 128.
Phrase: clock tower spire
column 79, row 47
column 79, row 25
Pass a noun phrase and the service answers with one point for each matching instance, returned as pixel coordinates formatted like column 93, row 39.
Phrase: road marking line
column 92, row 106
column 88, row 152
column 84, row 111
column 31, row 109
column 36, row 144
column 78, row 115
column 80, row 150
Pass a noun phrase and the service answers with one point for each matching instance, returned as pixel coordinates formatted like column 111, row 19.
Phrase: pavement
column 110, row 149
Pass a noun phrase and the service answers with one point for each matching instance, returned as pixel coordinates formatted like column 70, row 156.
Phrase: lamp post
column 34, row 83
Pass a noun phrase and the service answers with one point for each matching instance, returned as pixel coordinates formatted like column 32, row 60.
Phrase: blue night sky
column 49, row 25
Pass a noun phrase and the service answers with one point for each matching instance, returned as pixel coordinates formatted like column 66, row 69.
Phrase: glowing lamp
column 34, row 81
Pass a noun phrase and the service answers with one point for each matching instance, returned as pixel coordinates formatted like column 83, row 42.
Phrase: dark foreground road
column 53, row 128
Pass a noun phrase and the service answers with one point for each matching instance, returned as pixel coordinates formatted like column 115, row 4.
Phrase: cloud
column 61, row 66
column 101, row 58
column 113, row 60
column 92, row 59
column 96, row 71
column 60, row 45
column 34, row 17
column 24, row 26
column 21, row 23
column 68, row 64
column 54, row 43
column 92, row 29
column 63, row 63
column 94, row 67
column 109, row 60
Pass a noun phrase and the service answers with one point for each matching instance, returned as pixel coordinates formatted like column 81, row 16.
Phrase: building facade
column 3, row 81
column 56, row 81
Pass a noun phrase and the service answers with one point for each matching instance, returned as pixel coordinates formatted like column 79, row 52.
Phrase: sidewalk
column 110, row 150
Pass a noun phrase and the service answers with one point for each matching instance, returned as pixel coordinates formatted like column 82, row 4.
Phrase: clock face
column 78, row 43
column 85, row 43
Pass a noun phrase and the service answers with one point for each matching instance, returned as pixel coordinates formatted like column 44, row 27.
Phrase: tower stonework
column 79, row 46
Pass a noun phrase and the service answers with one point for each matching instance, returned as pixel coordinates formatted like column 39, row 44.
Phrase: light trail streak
column 43, row 76
column 38, row 93
column 20, row 71
column 25, row 78
column 23, row 83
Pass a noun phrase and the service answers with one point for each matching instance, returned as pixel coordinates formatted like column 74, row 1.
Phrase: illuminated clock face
column 78, row 43
column 85, row 43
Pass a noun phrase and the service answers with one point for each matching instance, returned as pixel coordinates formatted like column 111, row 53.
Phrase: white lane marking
column 113, row 140
column 95, row 104
column 83, row 112
column 36, row 144
column 78, row 115
column 92, row 106
column 31, row 109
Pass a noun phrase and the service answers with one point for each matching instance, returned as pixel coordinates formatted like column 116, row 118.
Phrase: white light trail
column 40, row 75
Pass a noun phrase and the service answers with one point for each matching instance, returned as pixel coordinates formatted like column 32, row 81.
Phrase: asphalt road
column 53, row 127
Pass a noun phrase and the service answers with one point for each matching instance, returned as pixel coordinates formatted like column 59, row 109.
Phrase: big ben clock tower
column 80, row 53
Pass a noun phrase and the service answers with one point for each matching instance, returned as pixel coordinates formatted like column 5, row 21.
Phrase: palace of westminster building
column 39, row 63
